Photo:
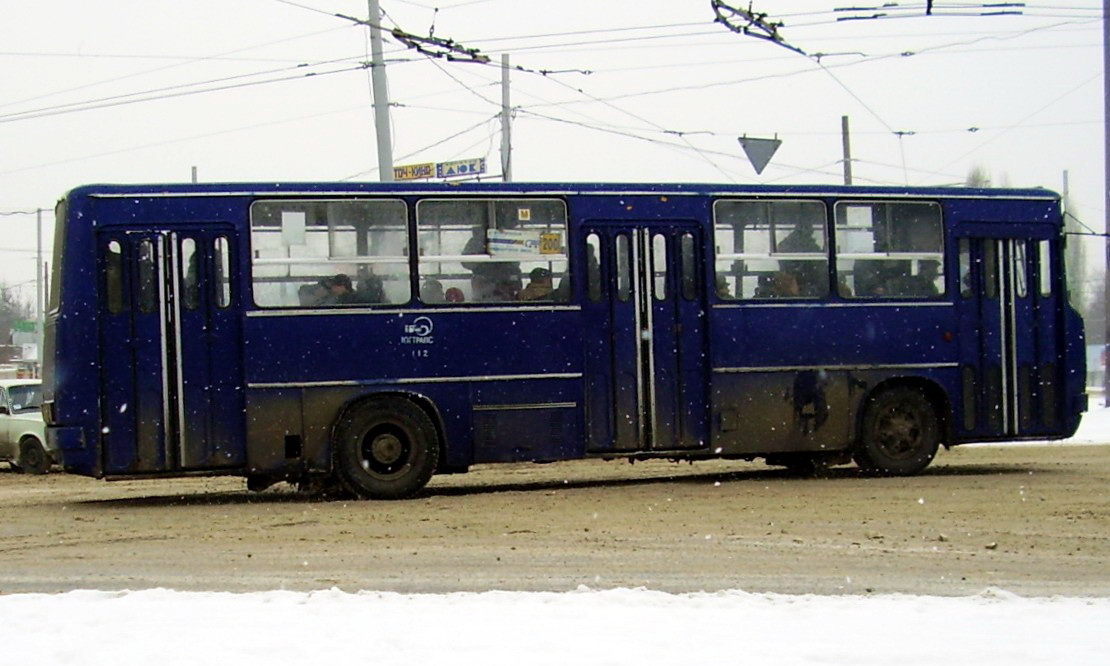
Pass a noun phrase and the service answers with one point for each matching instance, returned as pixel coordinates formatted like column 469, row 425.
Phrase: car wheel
column 33, row 458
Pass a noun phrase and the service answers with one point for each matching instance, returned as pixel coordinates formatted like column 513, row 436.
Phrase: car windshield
column 27, row 398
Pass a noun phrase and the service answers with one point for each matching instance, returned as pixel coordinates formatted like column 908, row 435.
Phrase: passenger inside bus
column 432, row 291
column 539, row 286
column 808, row 275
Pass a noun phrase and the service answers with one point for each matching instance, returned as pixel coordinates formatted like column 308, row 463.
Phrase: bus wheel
column 900, row 433
column 386, row 449
column 33, row 459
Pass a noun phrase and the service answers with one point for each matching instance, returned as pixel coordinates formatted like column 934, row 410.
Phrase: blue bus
column 364, row 337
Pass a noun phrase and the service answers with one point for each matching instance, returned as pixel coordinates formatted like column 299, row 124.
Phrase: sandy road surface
column 1034, row 520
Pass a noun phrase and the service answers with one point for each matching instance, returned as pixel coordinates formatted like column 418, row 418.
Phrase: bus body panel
column 223, row 385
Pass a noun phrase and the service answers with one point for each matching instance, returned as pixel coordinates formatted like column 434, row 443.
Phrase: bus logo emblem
column 419, row 332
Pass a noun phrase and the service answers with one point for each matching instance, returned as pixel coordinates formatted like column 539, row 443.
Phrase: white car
column 22, row 430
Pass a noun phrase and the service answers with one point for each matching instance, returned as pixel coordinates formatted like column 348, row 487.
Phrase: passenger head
column 785, row 284
column 340, row 284
column 540, row 276
column 432, row 291
column 454, row 295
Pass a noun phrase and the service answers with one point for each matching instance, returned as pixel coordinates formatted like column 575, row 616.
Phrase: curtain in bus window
column 492, row 251
column 889, row 249
column 329, row 253
column 770, row 249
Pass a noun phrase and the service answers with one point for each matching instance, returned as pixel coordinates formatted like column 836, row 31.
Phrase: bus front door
column 1009, row 368
column 645, row 323
column 170, row 352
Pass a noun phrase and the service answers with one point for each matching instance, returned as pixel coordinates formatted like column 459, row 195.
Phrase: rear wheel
column 900, row 433
column 33, row 458
column 385, row 449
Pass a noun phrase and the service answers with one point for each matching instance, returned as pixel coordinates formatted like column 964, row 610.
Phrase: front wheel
column 33, row 458
column 900, row 433
column 385, row 449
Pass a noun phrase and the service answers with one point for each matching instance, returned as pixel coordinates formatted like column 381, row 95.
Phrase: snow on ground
column 579, row 627
column 166, row 628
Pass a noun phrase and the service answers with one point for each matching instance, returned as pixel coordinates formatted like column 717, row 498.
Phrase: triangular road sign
column 759, row 151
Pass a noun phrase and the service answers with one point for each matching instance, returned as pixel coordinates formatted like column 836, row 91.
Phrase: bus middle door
column 169, row 344
column 646, row 366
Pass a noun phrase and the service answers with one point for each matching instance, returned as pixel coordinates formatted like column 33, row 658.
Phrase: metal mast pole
column 381, row 95
column 506, row 130
column 40, row 315
column 844, row 137
column 1106, row 181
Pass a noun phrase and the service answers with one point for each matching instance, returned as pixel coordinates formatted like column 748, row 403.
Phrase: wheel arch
column 933, row 392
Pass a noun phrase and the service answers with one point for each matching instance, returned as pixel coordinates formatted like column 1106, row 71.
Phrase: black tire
column 33, row 458
column 899, row 435
column 385, row 449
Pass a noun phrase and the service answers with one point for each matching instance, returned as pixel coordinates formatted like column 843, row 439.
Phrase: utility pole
column 40, row 314
column 381, row 95
column 845, row 140
column 506, row 120
column 1106, row 183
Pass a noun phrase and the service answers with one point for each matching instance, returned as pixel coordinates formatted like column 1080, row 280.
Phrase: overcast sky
column 646, row 90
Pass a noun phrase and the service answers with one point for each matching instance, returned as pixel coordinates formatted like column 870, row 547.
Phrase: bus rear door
column 645, row 322
column 1010, row 331
column 170, row 349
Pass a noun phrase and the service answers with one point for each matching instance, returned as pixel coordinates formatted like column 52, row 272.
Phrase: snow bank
column 164, row 628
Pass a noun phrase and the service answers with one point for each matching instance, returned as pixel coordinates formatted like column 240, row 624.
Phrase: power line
column 136, row 98
column 163, row 68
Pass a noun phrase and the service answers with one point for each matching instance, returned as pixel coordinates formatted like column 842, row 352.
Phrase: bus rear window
column 492, row 250
column 329, row 253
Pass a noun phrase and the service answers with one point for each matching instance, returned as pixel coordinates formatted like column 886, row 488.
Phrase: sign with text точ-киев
column 414, row 171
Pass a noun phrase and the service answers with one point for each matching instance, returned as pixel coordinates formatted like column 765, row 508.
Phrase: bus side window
column 689, row 267
column 1044, row 269
column 990, row 267
column 965, row 268
column 1021, row 269
column 889, row 249
column 190, row 287
column 593, row 267
column 659, row 266
column 770, row 249
column 148, row 289
column 221, row 258
column 113, row 278
column 624, row 274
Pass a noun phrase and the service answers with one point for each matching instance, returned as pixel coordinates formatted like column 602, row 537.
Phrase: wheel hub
column 386, row 448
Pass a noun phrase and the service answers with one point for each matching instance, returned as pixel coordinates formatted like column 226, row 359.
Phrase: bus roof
column 544, row 188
